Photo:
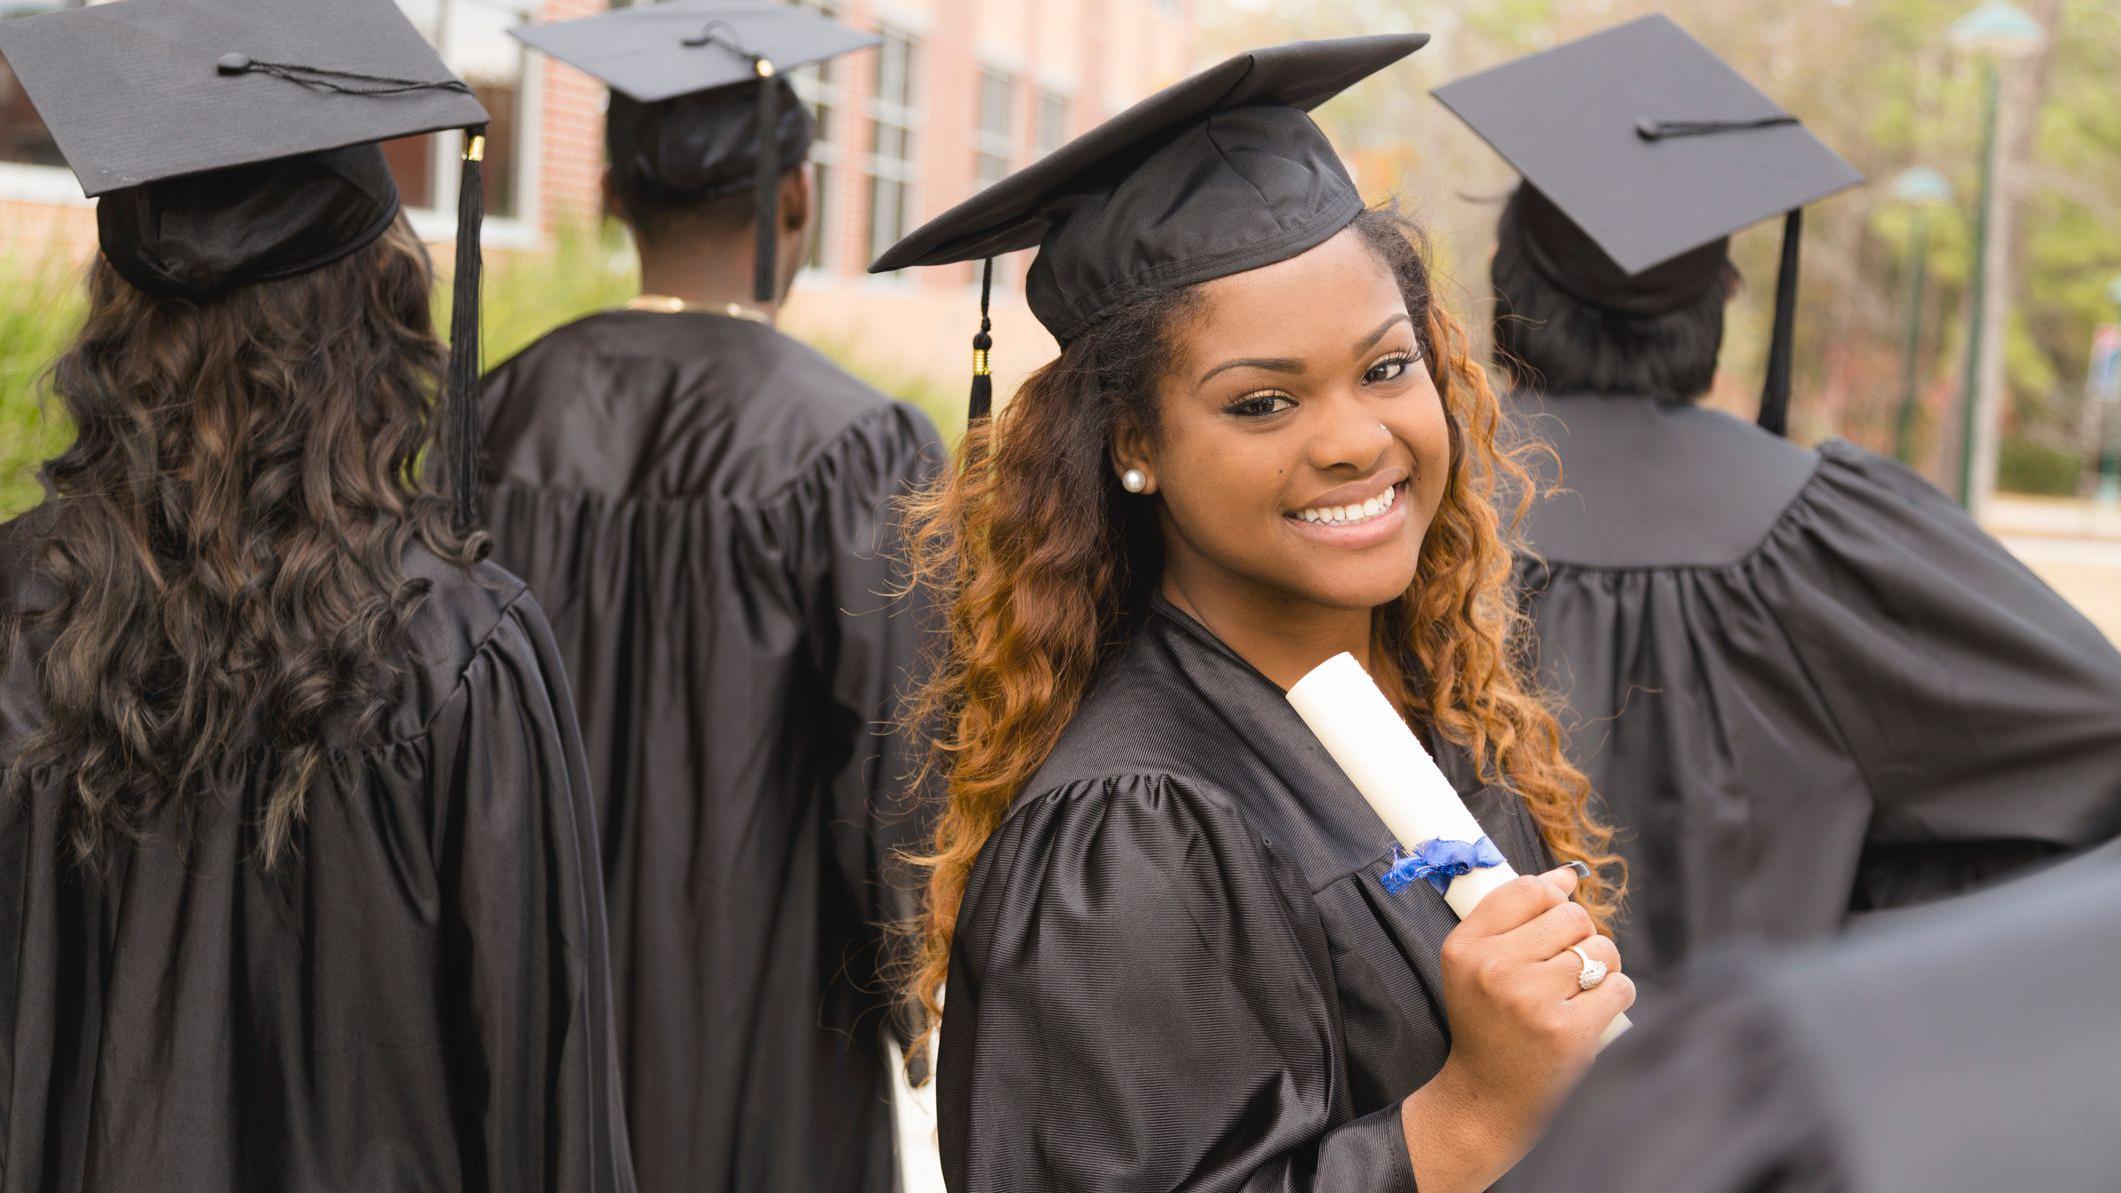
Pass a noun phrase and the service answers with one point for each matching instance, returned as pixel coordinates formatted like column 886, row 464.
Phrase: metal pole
column 2110, row 460
column 2109, row 494
column 1977, row 292
column 1904, row 433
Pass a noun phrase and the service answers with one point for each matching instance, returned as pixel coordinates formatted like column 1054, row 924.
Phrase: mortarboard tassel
column 765, row 282
column 765, row 279
column 1775, row 393
column 464, row 334
column 982, row 403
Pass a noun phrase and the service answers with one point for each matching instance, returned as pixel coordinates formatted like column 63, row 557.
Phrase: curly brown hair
column 220, row 555
column 1041, row 587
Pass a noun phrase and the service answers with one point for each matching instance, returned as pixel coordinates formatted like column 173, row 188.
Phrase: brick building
column 960, row 93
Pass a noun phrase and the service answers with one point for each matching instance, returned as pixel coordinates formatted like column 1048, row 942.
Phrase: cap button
column 233, row 64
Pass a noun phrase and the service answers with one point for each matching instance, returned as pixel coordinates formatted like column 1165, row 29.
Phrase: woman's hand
column 1521, row 1030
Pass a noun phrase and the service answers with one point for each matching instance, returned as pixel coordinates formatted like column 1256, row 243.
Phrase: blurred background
column 1962, row 310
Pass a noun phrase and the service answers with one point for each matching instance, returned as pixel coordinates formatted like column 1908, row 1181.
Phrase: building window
column 993, row 145
column 23, row 138
column 894, row 115
column 818, row 88
column 472, row 36
column 1051, row 125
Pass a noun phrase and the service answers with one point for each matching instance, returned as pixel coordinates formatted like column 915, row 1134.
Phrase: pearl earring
column 1133, row 480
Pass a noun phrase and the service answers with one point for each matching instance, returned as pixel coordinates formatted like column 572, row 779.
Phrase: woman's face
column 1302, row 448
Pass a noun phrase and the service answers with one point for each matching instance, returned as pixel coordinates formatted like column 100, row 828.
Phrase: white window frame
column 987, row 144
column 1040, row 94
column 816, row 86
column 56, row 185
column 907, row 117
column 521, row 230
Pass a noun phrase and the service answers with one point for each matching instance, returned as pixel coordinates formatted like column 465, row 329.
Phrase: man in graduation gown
column 1965, row 1047
column 705, row 505
column 1802, row 681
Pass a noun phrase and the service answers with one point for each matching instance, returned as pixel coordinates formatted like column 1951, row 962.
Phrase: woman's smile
column 1355, row 516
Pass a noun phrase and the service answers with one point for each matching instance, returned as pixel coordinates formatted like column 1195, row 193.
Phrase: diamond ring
column 1593, row 971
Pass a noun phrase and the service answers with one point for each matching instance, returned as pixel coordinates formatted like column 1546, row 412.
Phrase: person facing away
column 1804, row 684
column 297, row 858
column 1182, row 952
column 705, row 504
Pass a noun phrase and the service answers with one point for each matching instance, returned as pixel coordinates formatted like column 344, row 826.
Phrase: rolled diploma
column 1385, row 761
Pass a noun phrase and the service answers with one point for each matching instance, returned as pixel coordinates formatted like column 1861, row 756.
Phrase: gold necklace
column 667, row 305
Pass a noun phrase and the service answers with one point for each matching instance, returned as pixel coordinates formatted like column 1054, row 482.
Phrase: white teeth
column 1344, row 515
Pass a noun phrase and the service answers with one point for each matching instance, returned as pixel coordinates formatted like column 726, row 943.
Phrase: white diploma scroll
column 1385, row 761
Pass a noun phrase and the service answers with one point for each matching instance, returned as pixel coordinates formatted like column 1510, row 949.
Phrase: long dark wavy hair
column 219, row 558
column 1045, row 566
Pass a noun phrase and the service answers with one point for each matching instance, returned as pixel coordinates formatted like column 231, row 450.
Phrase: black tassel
column 1775, row 393
column 982, row 403
column 765, row 280
column 464, row 334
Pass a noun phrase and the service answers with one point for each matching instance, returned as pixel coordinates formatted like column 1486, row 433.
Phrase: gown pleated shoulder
column 1804, row 683
column 705, row 506
column 1177, row 966
column 416, row 998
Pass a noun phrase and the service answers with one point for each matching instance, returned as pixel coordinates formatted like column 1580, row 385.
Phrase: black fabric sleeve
column 526, row 975
column 1141, row 998
column 1984, row 711
column 868, row 636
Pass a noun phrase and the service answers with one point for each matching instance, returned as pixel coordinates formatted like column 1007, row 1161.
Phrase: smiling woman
column 1172, row 956
column 1280, row 474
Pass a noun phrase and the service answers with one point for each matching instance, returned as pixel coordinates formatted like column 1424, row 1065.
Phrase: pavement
column 2073, row 545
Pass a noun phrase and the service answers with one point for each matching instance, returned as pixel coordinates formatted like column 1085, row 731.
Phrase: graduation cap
column 1215, row 175
column 701, row 105
column 234, row 142
column 1642, row 152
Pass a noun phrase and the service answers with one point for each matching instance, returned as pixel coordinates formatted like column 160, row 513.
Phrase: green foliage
column 39, row 313
column 2029, row 467
column 525, row 296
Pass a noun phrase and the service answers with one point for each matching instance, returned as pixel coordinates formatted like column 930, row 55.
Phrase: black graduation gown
column 1966, row 1048
column 1176, row 965
column 417, row 999
column 704, row 506
column 1803, row 682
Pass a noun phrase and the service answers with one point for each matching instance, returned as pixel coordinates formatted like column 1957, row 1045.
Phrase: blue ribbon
column 1439, row 861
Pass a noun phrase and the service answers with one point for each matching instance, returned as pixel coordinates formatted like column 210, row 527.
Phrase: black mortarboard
column 1217, row 174
column 233, row 142
column 701, row 105
column 1639, row 147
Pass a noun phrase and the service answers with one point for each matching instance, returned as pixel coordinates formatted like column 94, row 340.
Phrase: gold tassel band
column 979, row 363
column 475, row 151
